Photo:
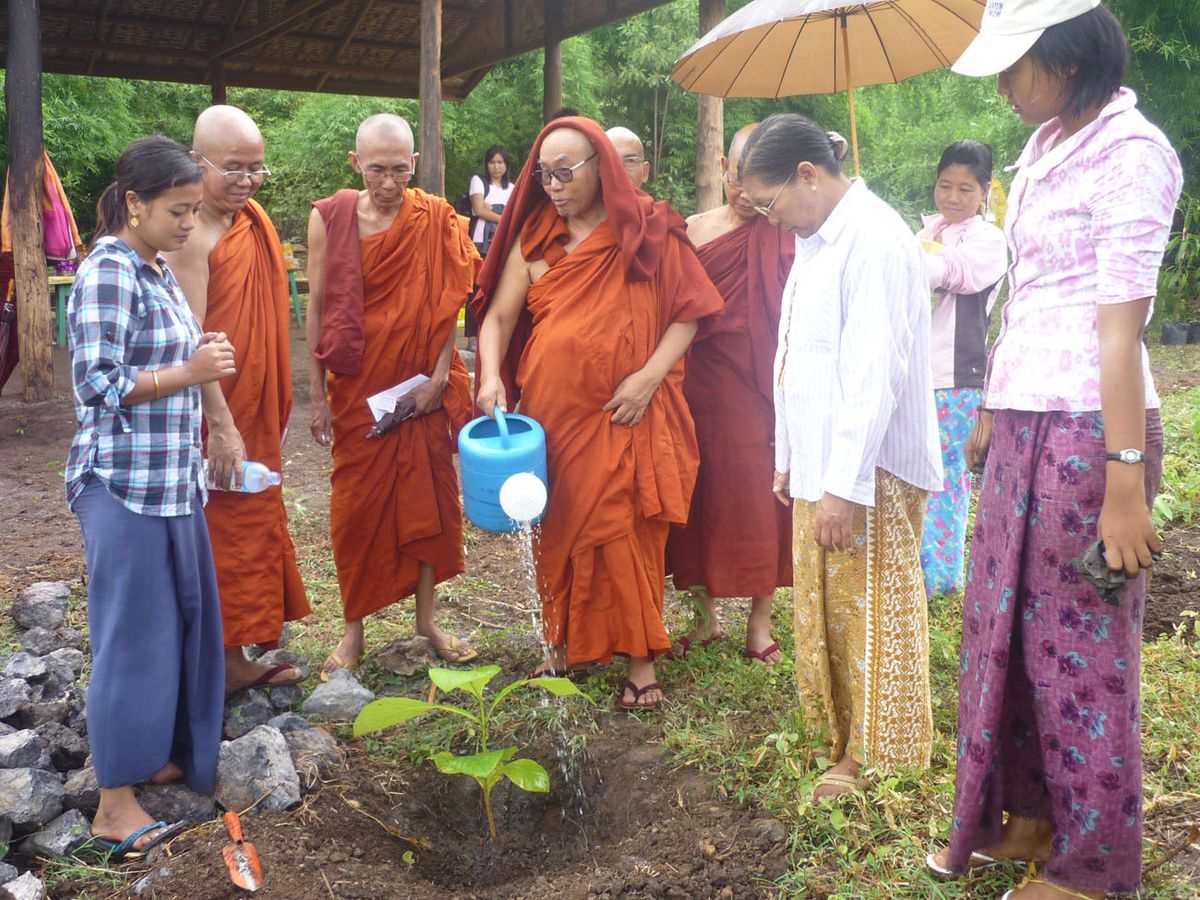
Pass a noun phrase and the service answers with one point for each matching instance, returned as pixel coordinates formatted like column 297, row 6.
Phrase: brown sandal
column 638, row 693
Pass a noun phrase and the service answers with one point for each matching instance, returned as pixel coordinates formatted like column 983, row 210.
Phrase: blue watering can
column 492, row 450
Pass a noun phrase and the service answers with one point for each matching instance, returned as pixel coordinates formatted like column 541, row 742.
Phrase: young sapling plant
column 486, row 766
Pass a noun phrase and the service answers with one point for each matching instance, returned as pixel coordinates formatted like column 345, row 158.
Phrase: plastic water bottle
column 256, row 477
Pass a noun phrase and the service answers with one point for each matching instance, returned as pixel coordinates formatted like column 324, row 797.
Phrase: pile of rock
column 48, row 788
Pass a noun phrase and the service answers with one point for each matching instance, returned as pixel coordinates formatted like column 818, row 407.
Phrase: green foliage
column 1179, row 280
column 1178, row 499
column 486, row 767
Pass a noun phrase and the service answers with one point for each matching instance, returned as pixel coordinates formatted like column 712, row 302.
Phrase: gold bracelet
column 157, row 395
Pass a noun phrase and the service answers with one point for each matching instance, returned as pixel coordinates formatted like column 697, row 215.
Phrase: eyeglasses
column 632, row 160
column 564, row 174
column 233, row 176
column 766, row 210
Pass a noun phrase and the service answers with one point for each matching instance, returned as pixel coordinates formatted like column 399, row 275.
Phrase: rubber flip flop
column 338, row 663
column 638, row 693
column 117, row 850
column 452, row 647
column 685, row 646
column 976, row 862
column 761, row 655
column 264, row 680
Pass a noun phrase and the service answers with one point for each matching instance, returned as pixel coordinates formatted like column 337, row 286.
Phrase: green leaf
column 527, row 775
column 480, row 766
column 385, row 713
column 559, row 687
column 473, row 681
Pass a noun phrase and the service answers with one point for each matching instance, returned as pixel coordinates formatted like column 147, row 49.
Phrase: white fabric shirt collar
column 835, row 223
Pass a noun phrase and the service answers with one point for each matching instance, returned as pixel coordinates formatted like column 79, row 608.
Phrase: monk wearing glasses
column 389, row 268
column 588, row 301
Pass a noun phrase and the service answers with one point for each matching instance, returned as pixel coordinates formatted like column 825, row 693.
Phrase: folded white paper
column 385, row 401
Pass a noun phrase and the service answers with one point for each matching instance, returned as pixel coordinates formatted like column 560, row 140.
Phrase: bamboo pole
column 23, row 102
column 850, row 92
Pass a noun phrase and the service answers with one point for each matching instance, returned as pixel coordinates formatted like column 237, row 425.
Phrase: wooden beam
column 281, row 24
column 552, row 75
column 432, row 166
column 347, row 38
column 234, row 19
column 710, row 126
column 23, row 104
column 101, row 25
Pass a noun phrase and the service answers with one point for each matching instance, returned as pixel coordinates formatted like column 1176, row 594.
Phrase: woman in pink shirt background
column 1049, row 716
column 966, row 260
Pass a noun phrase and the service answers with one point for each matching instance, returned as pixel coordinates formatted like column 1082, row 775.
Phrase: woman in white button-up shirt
column 856, row 449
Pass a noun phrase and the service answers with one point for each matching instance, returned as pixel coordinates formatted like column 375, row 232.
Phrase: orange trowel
column 241, row 858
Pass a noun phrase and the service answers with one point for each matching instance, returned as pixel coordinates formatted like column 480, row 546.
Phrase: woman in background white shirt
column 856, row 450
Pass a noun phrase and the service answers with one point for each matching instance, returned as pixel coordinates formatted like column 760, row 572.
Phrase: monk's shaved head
column 737, row 143
column 632, row 152
column 384, row 130
column 565, row 144
column 220, row 126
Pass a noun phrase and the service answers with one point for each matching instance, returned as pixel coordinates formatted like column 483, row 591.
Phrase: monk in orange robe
column 588, row 302
column 235, row 279
column 389, row 269
column 738, row 537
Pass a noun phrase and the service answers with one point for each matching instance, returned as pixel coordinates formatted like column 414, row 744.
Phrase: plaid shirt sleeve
column 102, row 321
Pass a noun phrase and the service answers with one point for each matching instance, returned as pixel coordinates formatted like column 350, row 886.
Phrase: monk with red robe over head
column 235, row 279
column 389, row 269
column 588, row 301
column 738, row 537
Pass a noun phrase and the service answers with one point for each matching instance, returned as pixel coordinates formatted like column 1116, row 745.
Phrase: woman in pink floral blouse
column 1049, row 718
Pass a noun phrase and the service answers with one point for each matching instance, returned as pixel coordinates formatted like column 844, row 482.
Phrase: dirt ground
column 667, row 837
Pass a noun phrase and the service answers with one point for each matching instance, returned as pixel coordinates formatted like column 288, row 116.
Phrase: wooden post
column 219, row 95
column 431, row 174
column 552, row 68
column 710, row 125
column 23, row 103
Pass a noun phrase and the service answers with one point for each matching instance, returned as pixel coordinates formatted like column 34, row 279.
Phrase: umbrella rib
column 791, row 53
column 957, row 14
column 746, row 62
column 921, row 32
column 879, row 37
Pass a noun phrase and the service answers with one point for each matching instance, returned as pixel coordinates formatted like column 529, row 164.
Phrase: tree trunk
column 23, row 100
column 432, row 165
column 552, row 68
column 710, row 126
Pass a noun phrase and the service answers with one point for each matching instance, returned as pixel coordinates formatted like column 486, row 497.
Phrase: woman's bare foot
column 347, row 653
column 1022, row 840
column 758, row 632
column 120, row 815
column 448, row 648
column 706, row 627
column 168, row 774
column 241, row 673
column 846, row 772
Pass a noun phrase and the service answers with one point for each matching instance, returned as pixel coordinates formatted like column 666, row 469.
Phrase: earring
column 134, row 222
column 814, row 187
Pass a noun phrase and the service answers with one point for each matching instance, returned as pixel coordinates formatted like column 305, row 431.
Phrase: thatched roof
column 369, row 47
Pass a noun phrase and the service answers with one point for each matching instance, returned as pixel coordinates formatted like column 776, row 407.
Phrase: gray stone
column 8, row 873
column 273, row 657
column 77, row 716
column 34, row 714
column 285, row 699
column 14, row 693
column 341, row 698
column 59, row 837
column 27, row 887
column 31, row 797
column 252, row 710
column 406, row 656
column 48, row 676
column 257, row 766
column 42, row 605
column 23, row 749
column 147, row 882
column 177, row 803
column 255, row 651
column 40, row 641
column 6, row 729
column 315, row 752
column 70, row 657
column 82, row 791
column 770, row 830
column 68, row 751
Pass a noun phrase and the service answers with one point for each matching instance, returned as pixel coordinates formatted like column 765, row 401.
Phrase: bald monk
column 235, row 280
column 588, row 301
column 738, row 537
column 389, row 269
column 632, row 153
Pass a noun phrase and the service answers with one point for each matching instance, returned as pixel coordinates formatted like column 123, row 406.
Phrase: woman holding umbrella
column 1049, row 718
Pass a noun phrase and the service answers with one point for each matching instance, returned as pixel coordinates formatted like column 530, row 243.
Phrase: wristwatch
column 1133, row 457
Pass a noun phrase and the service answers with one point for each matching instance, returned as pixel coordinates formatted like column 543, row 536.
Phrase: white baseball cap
column 1010, row 28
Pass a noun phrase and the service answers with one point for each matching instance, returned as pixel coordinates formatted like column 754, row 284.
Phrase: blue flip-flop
column 115, row 850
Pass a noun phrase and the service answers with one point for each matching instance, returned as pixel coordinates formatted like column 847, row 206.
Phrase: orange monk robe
column 738, row 537
column 614, row 489
column 256, row 561
column 395, row 501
